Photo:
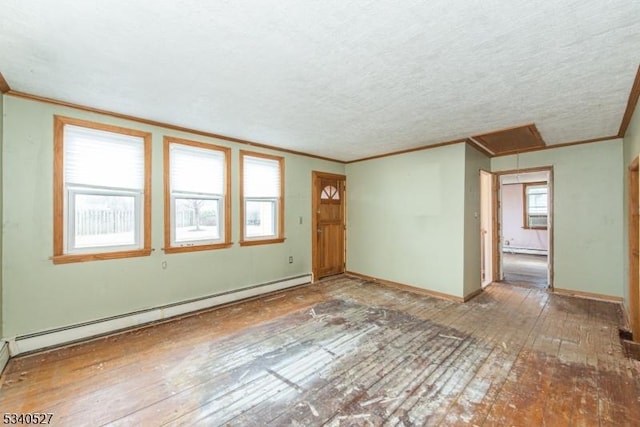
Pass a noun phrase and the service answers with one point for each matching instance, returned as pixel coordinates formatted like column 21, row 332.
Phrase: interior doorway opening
column 516, row 227
column 525, row 228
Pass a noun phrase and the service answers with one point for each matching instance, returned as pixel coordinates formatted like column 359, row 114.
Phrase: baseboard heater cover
column 4, row 354
column 82, row 331
column 526, row 251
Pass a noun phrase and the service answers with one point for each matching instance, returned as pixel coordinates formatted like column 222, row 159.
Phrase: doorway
column 525, row 217
column 517, row 227
column 328, row 224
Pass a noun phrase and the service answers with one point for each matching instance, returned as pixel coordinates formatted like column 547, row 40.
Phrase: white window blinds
column 261, row 177
column 196, row 170
column 103, row 159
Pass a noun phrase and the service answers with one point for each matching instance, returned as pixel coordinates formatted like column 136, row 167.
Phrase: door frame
column 497, row 213
column 492, row 233
column 634, row 249
column 315, row 198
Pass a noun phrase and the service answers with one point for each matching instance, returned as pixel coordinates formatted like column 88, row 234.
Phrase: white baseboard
column 73, row 333
column 512, row 250
column 4, row 354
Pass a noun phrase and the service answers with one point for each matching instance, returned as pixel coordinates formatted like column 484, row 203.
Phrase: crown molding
column 631, row 105
column 150, row 122
column 4, row 86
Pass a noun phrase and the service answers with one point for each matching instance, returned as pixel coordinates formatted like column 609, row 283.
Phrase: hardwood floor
column 347, row 352
column 525, row 269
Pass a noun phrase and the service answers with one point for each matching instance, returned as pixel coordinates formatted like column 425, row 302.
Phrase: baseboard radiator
column 527, row 251
column 4, row 355
column 80, row 332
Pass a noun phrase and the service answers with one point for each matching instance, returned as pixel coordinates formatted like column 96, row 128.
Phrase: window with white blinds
column 104, row 159
column 262, row 197
column 197, row 198
column 101, row 179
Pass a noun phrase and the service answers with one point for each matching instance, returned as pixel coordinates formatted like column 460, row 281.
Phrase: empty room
column 300, row 213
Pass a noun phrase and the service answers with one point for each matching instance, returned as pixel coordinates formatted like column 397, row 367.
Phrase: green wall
column 588, row 215
column 631, row 151
column 474, row 162
column 1, row 213
column 412, row 218
column 39, row 295
column 405, row 218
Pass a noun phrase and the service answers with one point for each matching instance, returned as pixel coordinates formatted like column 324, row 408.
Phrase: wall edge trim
column 588, row 295
column 634, row 95
column 409, row 288
column 150, row 122
column 4, row 86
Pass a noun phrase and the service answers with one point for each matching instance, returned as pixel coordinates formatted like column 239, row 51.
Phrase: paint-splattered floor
column 347, row 352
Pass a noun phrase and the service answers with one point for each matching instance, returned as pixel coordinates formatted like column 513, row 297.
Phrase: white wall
column 486, row 224
column 588, row 217
column 39, row 295
column 513, row 230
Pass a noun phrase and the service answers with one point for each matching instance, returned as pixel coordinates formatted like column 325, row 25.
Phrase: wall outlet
column 290, row 260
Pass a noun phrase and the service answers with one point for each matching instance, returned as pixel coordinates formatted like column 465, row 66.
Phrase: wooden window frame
column 280, row 205
column 59, row 229
column 525, row 204
column 226, row 208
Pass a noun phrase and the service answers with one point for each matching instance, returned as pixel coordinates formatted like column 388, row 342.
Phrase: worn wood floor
column 525, row 269
column 347, row 352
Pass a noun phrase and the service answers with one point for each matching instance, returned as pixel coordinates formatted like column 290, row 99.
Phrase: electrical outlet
column 290, row 260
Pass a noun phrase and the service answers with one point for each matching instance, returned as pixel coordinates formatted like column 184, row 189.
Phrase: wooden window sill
column 67, row 259
column 261, row 241
column 196, row 248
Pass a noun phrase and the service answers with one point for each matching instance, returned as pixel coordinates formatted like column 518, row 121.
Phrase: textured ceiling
column 343, row 79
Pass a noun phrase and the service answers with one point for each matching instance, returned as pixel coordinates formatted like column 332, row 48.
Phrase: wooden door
column 328, row 228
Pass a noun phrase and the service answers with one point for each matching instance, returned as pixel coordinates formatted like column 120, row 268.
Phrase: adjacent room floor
column 347, row 352
column 525, row 269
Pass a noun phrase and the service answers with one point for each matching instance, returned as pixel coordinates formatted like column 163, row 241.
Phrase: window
column 535, row 205
column 197, row 209
column 261, row 198
column 102, row 186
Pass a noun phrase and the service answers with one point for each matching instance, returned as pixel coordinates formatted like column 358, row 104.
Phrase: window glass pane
column 104, row 220
column 260, row 218
column 104, row 159
column 196, row 219
column 261, row 177
column 330, row 192
column 537, row 200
